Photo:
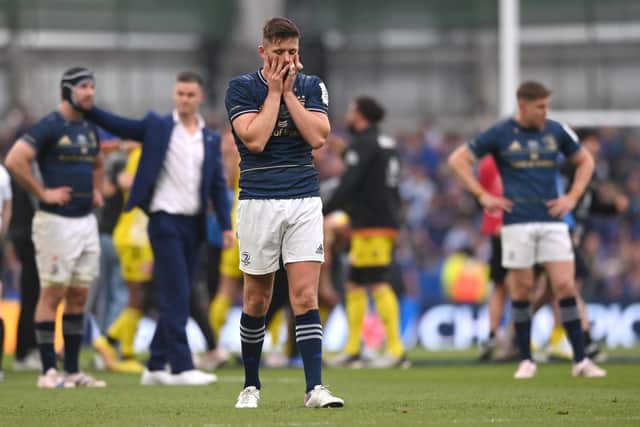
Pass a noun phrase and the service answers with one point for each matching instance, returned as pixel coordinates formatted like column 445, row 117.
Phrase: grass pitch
column 434, row 393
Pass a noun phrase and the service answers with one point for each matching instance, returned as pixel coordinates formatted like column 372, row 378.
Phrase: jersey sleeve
column 486, row 143
column 569, row 142
column 39, row 135
column 317, row 95
column 239, row 100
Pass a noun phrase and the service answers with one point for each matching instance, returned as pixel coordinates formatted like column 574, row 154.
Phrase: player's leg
column 51, row 295
column 229, row 284
column 376, row 256
column 256, row 297
column 592, row 348
column 521, row 285
column 556, row 252
column 56, row 249
column 497, row 298
column 303, row 254
column 72, row 330
column 137, row 269
column 518, row 256
column 259, row 230
column 86, row 266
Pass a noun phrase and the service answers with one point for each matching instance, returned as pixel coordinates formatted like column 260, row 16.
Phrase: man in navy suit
column 180, row 171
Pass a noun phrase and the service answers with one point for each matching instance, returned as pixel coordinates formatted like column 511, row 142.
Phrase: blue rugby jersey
column 529, row 164
column 66, row 154
column 284, row 170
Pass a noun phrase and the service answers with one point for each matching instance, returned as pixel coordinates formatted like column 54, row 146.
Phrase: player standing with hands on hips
column 526, row 149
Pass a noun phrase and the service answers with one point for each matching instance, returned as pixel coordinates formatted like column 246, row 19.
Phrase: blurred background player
column 65, row 231
column 368, row 192
column 136, row 260
column 5, row 218
column 526, row 149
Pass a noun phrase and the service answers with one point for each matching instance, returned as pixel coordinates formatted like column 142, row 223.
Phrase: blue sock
column 72, row 328
column 252, row 330
column 309, row 340
column 570, row 316
column 44, row 338
column 521, row 313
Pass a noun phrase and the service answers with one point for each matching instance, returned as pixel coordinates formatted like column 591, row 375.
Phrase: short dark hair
column 532, row 91
column 280, row 28
column 370, row 109
column 190, row 77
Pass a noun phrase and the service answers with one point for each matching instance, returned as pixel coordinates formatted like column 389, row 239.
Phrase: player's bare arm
column 584, row 170
column 313, row 126
column 255, row 129
column 461, row 162
column 18, row 162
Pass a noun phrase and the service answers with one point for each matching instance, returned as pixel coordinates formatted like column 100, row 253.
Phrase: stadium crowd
column 440, row 218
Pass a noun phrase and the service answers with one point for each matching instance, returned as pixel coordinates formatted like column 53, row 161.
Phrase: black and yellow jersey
column 368, row 191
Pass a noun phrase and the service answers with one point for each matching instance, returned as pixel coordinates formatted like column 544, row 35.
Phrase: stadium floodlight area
column 510, row 36
column 598, row 118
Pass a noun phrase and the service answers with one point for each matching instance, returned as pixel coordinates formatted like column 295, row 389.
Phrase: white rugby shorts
column 268, row 228
column 67, row 249
column 527, row 244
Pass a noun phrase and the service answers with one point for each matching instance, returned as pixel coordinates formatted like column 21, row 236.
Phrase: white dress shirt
column 178, row 188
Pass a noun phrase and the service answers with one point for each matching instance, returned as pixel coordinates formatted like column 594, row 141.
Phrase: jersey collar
column 261, row 77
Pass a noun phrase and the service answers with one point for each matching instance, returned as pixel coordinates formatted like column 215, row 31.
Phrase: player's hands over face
column 57, row 196
column 493, row 204
column 561, row 206
column 293, row 69
column 228, row 239
column 273, row 71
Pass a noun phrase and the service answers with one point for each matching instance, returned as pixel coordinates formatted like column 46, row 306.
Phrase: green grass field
column 433, row 393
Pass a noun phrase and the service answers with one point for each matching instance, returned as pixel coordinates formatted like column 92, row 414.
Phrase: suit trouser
column 174, row 240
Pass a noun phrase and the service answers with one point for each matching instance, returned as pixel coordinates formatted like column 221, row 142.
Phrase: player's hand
column 493, row 204
column 98, row 200
column 293, row 68
column 228, row 239
column 274, row 70
column 57, row 196
column 561, row 206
